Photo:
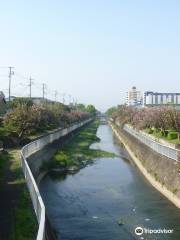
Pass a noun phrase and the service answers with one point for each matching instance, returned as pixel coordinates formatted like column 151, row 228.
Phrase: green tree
column 111, row 110
column 22, row 120
column 21, row 101
column 91, row 109
column 81, row 107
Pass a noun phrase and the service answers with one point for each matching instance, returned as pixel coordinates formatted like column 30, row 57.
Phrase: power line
column 23, row 92
column 43, row 87
column 3, row 75
column 20, row 76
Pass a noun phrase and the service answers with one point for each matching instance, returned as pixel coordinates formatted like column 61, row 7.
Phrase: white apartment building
column 133, row 97
column 156, row 99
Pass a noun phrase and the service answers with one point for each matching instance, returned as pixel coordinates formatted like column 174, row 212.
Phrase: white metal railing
column 28, row 150
column 167, row 151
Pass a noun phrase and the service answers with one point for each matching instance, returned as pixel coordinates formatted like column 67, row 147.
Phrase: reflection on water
column 89, row 204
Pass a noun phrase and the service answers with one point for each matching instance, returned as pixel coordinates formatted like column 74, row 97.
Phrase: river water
column 89, row 205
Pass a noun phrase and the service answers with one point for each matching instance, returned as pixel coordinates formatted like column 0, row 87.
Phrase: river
column 89, row 205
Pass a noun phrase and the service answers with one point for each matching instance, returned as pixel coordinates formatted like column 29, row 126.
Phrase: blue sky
column 93, row 50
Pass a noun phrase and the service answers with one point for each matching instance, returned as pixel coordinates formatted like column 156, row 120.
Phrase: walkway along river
column 89, row 205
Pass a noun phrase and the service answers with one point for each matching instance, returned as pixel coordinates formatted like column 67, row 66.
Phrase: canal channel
column 107, row 200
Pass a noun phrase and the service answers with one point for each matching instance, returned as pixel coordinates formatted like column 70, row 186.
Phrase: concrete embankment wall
column 160, row 171
column 44, row 155
column 37, row 160
column 33, row 156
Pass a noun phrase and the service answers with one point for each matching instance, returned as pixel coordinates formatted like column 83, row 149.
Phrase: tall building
column 134, row 97
column 157, row 99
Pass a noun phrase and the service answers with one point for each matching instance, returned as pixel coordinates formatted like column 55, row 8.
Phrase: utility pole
column 55, row 95
column 43, row 90
column 63, row 98
column 76, row 103
column 10, row 75
column 69, row 99
column 30, row 86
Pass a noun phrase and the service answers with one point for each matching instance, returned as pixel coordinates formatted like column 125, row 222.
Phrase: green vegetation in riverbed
column 121, row 222
column 76, row 152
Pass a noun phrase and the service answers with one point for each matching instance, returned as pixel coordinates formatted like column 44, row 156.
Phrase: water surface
column 89, row 204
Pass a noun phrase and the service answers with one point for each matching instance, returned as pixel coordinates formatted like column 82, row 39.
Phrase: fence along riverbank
column 167, row 151
column 28, row 150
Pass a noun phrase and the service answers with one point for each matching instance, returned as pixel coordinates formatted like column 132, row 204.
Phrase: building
column 11, row 98
column 158, row 99
column 35, row 100
column 2, row 103
column 134, row 97
column 39, row 100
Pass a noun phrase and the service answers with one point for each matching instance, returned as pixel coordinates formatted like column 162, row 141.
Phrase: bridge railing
column 28, row 150
column 167, row 151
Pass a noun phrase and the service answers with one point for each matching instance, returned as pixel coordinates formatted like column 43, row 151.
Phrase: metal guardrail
column 28, row 150
column 167, row 151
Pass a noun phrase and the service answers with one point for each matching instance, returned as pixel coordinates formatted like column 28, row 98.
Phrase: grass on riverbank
column 76, row 151
column 25, row 223
column 20, row 215
column 4, row 158
column 158, row 134
column 19, row 212
column 25, row 220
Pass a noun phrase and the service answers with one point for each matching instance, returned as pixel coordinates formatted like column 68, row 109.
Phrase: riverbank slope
column 159, row 170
